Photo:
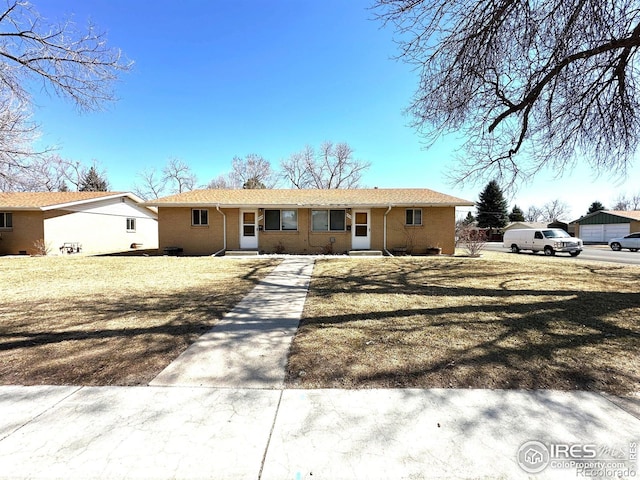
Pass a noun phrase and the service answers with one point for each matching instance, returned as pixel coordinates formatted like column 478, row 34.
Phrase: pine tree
column 596, row 207
column 93, row 182
column 492, row 207
column 469, row 219
column 516, row 215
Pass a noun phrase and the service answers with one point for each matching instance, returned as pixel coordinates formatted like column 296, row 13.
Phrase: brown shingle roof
column 39, row 200
column 374, row 197
column 633, row 214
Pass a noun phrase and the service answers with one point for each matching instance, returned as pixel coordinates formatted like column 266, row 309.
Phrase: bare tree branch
column 532, row 85
column 74, row 64
column 332, row 167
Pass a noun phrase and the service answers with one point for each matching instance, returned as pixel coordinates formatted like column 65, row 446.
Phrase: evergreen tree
column 253, row 183
column 492, row 207
column 596, row 207
column 469, row 219
column 516, row 215
column 93, row 182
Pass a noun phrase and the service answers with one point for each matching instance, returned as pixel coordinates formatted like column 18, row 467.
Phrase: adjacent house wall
column 100, row 227
column 27, row 229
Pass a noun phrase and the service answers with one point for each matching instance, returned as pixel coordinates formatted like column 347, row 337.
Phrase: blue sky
column 217, row 79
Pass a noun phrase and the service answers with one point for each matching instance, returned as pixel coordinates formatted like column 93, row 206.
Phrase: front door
column 361, row 230
column 248, row 229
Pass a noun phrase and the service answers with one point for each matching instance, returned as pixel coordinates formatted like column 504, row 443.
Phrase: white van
column 547, row 240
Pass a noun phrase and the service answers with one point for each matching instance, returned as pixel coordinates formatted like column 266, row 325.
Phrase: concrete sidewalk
column 248, row 347
column 220, row 433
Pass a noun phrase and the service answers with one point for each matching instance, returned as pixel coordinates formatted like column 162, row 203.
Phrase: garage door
column 592, row 233
column 616, row 230
column 603, row 233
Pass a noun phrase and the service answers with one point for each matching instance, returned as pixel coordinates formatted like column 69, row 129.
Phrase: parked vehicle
column 547, row 240
column 631, row 241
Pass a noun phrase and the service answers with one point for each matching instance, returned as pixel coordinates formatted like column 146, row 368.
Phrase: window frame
column 7, row 220
column 131, row 224
column 281, row 226
column 200, row 223
column 413, row 217
column 329, row 211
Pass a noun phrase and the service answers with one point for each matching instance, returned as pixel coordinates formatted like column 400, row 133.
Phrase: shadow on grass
column 488, row 334
column 115, row 339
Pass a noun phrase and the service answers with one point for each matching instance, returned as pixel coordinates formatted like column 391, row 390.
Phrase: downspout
column 384, row 242
column 224, row 232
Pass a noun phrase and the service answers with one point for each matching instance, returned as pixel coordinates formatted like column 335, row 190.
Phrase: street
column 600, row 253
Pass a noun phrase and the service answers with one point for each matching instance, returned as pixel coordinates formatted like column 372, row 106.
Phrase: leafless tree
column 221, row 182
column 297, row 168
column 151, row 185
column 252, row 171
column 333, row 166
column 179, row 175
column 627, row 203
column 472, row 240
column 533, row 214
column 61, row 59
column 531, row 84
column 555, row 210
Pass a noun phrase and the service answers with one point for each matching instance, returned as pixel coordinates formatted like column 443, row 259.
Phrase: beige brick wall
column 28, row 227
column 175, row 230
column 437, row 230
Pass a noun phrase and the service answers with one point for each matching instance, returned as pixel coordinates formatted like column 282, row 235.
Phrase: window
column 276, row 220
column 199, row 217
column 414, row 216
column 6, row 220
column 328, row 220
column 131, row 224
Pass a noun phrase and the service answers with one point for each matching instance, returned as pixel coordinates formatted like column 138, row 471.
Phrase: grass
column 110, row 320
column 519, row 321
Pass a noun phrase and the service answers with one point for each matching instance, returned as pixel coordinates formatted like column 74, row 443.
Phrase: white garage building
column 600, row 227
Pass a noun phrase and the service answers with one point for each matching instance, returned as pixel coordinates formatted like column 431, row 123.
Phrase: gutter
column 224, row 232
column 384, row 242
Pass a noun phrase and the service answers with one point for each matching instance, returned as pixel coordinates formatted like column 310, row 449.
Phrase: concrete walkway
column 248, row 348
column 220, row 412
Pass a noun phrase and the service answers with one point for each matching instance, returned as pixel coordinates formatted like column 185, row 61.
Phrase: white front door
column 248, row 229
column 361, row 230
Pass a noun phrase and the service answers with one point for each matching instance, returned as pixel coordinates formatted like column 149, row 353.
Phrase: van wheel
column 515, row 249
column 633, row 249
column 548, row 251
column 616, row 247
column 574, row 254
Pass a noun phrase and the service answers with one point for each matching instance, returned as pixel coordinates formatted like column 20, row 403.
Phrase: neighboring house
column 205, row 222
column 537, row 225
column 601, row 226
column 68, row 222
column 514, row 225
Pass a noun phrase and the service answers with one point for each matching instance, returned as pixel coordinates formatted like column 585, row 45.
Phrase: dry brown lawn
column 517, row 321
column 111, row 320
